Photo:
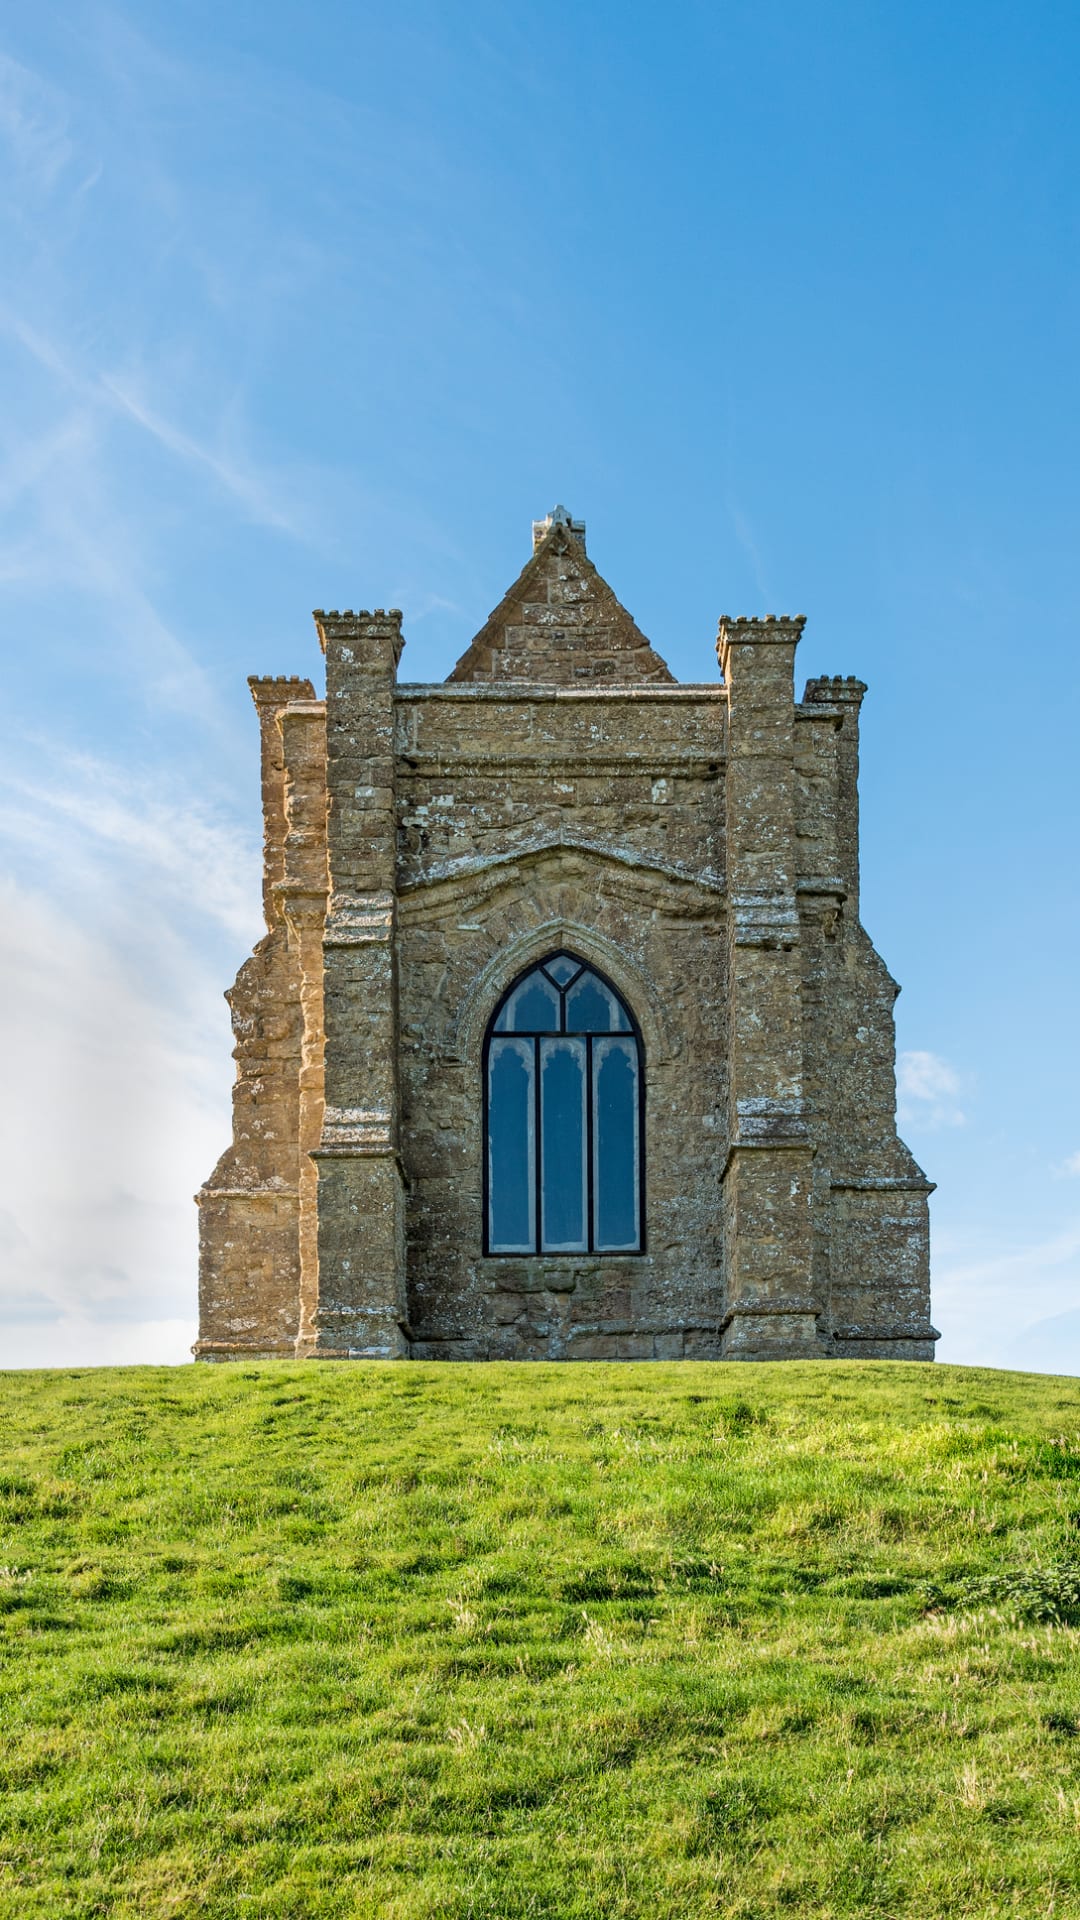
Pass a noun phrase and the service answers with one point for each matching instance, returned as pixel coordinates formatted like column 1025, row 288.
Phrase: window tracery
column 563, row 1116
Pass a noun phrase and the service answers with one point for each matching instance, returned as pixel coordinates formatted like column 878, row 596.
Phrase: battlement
column 837, row 689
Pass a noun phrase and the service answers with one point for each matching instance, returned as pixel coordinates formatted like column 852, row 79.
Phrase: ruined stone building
column 564, row 1040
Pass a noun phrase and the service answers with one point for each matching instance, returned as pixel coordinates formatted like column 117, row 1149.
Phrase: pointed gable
column 560, row 624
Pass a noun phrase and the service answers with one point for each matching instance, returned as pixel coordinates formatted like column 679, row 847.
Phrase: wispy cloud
column 33, row 126
column 1017, row 1263
column 989, row 1301
column 91, row 819
column 133, row 314
column 65, row 533
column 928, row 1090
column 750, row 543
column 245, row 481
column 246, row 484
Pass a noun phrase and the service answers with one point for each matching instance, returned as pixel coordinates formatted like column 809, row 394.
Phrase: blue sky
column 321, row 306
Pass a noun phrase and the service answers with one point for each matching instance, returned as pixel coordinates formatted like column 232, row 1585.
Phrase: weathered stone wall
column 249, row 1220
column 697, row 844
column 527, row 821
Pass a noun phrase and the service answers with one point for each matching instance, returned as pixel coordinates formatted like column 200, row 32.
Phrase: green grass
column 482, row 1642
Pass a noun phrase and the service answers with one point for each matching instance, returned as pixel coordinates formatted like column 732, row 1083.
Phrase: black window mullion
column 638, row 1051
column 539, row 1235
column 590, row 1123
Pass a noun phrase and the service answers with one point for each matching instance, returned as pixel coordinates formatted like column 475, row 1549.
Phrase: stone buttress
column 697, row 846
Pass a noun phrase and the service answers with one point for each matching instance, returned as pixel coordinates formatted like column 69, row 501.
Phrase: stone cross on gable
column 559, row 517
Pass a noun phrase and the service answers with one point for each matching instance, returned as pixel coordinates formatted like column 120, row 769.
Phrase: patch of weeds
column 104, row 1682
column 1048, row 1593
column 613, row 1580
column 734, row 1810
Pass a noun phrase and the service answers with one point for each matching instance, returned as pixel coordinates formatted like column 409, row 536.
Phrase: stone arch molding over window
column 563, row 1115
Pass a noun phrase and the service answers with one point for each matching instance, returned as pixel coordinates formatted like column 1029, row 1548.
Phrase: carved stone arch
column 530, row 946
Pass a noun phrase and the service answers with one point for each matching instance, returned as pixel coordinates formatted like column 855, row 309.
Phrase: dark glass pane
column 563, row 1198
column 615, row 1144
column 511, row 1147
column 533, row 1007
column 593, row 1008
column 562, row 968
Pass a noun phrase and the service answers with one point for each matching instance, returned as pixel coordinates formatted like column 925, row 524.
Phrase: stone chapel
column 565, row 1039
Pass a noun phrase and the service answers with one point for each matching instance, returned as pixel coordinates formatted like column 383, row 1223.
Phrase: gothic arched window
column 563, row 1116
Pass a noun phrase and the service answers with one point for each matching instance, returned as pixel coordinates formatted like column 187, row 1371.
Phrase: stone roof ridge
column 560, row 623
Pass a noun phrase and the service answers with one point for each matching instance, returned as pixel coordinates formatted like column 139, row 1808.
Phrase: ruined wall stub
column 695, row 844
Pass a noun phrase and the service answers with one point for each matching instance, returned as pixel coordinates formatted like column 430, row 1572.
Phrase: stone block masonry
column 695, row 848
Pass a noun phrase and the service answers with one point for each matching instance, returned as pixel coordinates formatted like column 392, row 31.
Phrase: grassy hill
column 563, row 1642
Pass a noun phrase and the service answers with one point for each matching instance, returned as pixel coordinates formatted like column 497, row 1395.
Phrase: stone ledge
column 860, row 1333
column 651, row 765
column 237, row 1350
column 245, row 1193
column 796, row 1141
column 885, row 1183
column 800, row 1305
column 537, row 694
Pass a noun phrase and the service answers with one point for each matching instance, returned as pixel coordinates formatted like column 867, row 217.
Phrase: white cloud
column 1051, row 1345
column 926, row 1076
column 94, row 818
column 1071, row 1164
column 927, row 1089
column 128, row 914
column 988, row 1304
column 75, row 1342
